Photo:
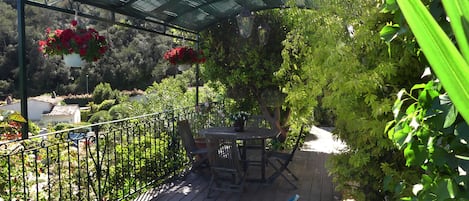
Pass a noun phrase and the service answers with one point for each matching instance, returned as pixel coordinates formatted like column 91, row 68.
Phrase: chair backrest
column 185, row 132
column 223, row 153
column 301, row 135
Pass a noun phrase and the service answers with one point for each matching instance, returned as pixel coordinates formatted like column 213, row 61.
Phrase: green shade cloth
column 193, row 15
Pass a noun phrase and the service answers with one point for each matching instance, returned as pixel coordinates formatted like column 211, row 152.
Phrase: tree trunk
column 273, row 116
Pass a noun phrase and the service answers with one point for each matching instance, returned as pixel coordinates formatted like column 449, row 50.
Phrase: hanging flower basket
column 87, row 43
column 184, row 55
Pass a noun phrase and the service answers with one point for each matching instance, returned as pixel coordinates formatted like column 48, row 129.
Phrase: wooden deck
column 308, row 164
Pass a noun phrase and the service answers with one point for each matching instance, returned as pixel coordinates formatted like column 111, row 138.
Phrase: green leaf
column 463, row 162
column 396, row 108
column 415, row 154
column 450, row 117
column 389, row 32
column 17, row 117
column 389, row 127
column 449, row 112
column 458, row 13
column 417, row 86
column 426, row 181
column 390, row 6
column 401, row 135
column 445, row 189
column 462, row 131
column 446, row 61
column 411, row 109
column 441, row 157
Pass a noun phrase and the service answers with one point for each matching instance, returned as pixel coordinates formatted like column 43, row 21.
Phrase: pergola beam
column 192, row 35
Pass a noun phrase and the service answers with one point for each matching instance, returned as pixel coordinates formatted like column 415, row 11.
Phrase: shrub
column 106, row 105
column 103, row 91
column 101, row 116
column 85, row 115
column 81, row 100
column 120, row 111
column 62, row 126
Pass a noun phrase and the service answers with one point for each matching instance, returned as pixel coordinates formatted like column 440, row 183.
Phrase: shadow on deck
column 308, row 164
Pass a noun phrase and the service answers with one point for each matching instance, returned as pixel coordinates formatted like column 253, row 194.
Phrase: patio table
column 249, row 133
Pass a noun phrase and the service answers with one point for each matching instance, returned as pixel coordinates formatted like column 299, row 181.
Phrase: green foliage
column 85, row 115
column 106, row 104
column 433, row 136
column 81, row 100
column 448, row 60
column 169, row 94
column 62, row 126
column 246, row 68
column 120, row 111
column 350, row 75
column 33, row 128
column 10, row 124
column 427, row 125
column 103, row 91
column 100, row 116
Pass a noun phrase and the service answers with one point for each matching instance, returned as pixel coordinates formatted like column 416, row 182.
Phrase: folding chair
column 283, row 160
column 225, row 164
column 255, row 121
column 197, row 156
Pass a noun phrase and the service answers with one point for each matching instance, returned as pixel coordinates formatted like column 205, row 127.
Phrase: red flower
column 86, row 42
column 82, row 51
column 184, row 55
column 103, row 49
column 58, row 32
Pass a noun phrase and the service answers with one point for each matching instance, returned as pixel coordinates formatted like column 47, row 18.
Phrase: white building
column 45, row 109
column 63, row 114
column 37, row 106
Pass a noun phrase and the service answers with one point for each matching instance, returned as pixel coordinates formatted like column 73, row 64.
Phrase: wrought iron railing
column 106, row 161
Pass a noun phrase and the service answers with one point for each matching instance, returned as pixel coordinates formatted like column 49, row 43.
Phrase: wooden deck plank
column 307, row 166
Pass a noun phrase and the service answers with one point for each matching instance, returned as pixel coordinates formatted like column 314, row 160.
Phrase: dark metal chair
column 255, row 121
column 280, row 161
column 197, row 156
column 225, row 164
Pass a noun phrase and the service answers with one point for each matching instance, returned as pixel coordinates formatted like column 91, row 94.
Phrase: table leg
column 244, row 156
column 263, row 160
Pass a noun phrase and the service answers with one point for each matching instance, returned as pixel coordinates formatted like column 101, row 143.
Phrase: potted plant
column 184, row 57
column 239, row 120
column 76, row 42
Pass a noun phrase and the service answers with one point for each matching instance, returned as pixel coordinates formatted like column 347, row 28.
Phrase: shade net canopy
column 192, row 15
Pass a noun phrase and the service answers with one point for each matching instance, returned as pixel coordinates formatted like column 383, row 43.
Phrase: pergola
column 189, row 17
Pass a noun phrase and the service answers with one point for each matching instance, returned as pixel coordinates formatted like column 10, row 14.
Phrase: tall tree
column 246, row 67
